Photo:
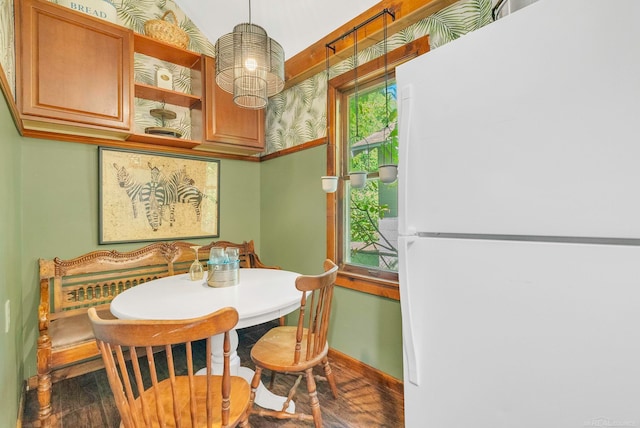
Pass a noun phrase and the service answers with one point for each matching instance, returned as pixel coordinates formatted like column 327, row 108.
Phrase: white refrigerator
column 519, row 222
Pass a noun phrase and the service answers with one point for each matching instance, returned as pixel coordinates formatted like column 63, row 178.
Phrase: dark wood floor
column 86, row 401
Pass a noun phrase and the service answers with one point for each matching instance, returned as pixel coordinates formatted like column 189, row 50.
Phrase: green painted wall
column 11, row 343
column 369, row 329
column 50, row 208
column 60, row 213
column 293, row 208
column 293, row 236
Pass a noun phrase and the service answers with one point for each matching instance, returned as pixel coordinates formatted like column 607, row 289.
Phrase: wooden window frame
column 369, row 281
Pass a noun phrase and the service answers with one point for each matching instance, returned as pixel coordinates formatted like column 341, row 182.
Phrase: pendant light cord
column 327, row 111
column 357, row 99
column 355, row 75
column 354, row 30
column 386, row 91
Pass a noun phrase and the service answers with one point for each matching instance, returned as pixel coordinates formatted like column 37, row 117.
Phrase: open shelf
column 166, row 52
column 168, row 96
column 164, row 141
column 185, row 58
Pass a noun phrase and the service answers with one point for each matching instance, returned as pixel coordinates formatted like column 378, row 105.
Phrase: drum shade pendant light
column 249, row 65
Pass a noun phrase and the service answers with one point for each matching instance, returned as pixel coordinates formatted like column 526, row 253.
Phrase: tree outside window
column 370, row 214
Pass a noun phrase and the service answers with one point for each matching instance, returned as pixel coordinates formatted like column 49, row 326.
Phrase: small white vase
column 329, row 183
column 388, row 173
column 358, row 179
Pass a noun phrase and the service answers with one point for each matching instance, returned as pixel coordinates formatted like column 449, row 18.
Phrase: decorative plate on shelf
column 163, row 131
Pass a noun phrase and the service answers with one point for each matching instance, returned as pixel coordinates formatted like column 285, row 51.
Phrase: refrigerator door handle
column 411, row 358
column 404, row 115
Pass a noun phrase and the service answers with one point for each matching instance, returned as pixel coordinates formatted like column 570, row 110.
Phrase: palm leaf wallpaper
column 7, row 44
column 290, row 112
column 294, row 116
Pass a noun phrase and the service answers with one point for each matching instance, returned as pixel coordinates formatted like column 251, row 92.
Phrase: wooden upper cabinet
column 74, row 72
column 229, row 128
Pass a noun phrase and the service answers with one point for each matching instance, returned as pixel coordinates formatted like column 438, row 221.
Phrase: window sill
column 367, row 284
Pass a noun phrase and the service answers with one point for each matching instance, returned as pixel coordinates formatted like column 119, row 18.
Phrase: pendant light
column 387, row 172
column 249, row 65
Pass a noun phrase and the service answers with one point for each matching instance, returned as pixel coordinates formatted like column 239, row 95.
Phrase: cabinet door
column 75, row 69
column 229, row 128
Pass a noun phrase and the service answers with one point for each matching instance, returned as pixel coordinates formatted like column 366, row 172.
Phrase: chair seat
column 73, row 330
column 274, row 350
column 239, row 400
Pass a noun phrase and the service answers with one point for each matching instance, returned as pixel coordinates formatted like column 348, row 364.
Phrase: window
column 370, row 214
column 365, row 219
column 362, row 223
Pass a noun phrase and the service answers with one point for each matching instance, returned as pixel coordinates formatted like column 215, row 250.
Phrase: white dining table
column 261, row 295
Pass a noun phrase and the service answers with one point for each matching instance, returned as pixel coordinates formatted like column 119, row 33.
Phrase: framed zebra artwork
column 147, row 196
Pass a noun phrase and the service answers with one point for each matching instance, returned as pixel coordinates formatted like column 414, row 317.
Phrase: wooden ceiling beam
column 312, row 60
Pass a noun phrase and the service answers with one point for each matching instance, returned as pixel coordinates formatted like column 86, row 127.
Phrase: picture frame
column 147, row 196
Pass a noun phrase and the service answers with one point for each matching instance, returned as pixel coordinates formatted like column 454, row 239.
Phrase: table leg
column 264, row 397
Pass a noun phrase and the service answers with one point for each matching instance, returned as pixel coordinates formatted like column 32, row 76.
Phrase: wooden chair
column 182, row 399
column 298, row 349
column 68, row 287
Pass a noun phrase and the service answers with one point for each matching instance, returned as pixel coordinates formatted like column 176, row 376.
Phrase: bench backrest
column 94, row 279
column 185, row 255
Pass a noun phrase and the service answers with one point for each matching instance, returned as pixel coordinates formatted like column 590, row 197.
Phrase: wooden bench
column 68, row 288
